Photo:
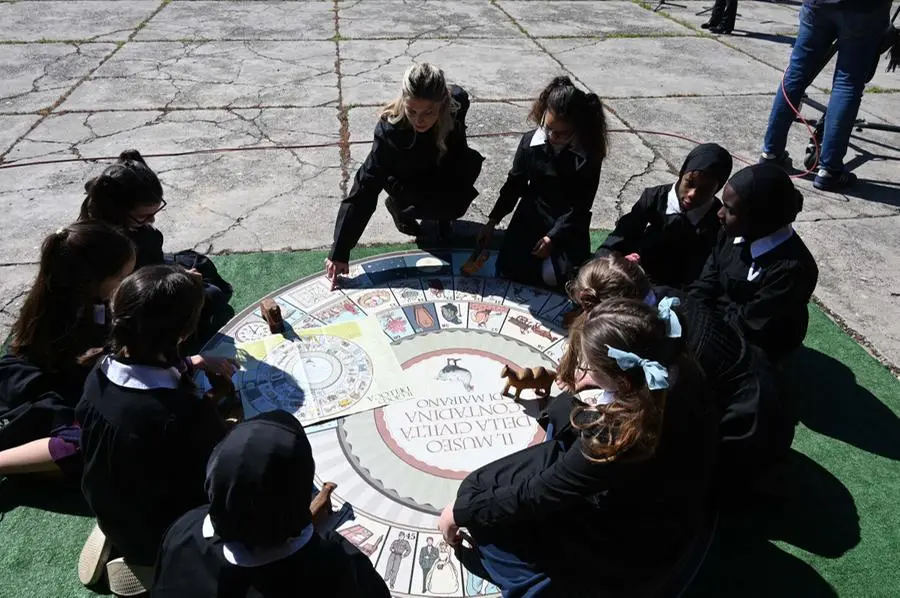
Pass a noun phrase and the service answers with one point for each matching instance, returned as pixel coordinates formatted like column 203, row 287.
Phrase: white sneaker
column 93, row 558
column 128, row 580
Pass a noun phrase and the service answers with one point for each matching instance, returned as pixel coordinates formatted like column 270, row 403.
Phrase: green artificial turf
column 836, row 534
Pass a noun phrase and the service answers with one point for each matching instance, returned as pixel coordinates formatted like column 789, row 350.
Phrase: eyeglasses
column 142, row 221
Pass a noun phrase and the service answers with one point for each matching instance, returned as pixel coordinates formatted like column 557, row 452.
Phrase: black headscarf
column 710, row 158
column 770, row 199
column 259, row 481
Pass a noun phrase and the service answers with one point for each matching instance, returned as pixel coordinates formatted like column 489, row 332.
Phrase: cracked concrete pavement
column 87, row 79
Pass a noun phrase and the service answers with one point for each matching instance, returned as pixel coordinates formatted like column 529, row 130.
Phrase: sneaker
column 407, row 226
column 128, row 580
column 834, row 181
column 782, row 160
column 93, row 558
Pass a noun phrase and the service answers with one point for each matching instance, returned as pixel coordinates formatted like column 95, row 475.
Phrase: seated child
column 64, row 316
column 128, row 195
column 256, row 539
column 620, row 487
column 146, row 431
column 672, row 228
column 755, row 429
column 760, row 275
column 554, row 179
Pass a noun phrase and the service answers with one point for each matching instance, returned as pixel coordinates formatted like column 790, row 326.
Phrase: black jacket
column 571, row 514
column 554, row 193
column 145, row 454
column 406, row 164
column 192, row 566
column 770, row 309
column 148, row 242
column 672, row 249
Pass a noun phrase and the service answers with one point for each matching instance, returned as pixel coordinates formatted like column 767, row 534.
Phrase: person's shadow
column 825, row 397
column 817, row 514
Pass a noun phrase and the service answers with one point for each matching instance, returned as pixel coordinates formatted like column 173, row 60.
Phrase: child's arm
column 708, row 287
column 570, row 478
column 515, row 185
column 624, row 239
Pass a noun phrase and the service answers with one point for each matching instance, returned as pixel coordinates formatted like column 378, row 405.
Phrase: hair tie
column 666, row 313
column 656, row 374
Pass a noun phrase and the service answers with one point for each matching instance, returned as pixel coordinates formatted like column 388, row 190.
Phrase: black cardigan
column 771, row 309
column 672, row 249
column 412, row 160
column 633, row 512
column 552, row 195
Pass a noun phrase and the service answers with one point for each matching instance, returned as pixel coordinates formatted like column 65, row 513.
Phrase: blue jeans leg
column 816, row 34
column 859, row 38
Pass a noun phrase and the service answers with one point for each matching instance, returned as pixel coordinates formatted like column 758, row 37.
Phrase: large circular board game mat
column 419, row 375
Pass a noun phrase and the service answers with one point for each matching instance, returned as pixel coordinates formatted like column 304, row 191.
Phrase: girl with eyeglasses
column 129, row 195
column 618, row 489
column 551, row 186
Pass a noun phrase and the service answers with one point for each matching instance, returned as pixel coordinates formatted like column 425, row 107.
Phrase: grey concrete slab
column 739, row 124
column 573, row 18
column 266, row 20
column 488, row 69
column 883, row 106
column 634, row 67
column 13, row 127
column 50, row 20
column 211, row 74
column 759, row 19
column 420, row 19
column 237, row 201
column 15, row 281
column 859, row 276
column 35, row 76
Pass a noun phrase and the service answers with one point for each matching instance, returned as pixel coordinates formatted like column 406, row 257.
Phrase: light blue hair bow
column 673, row 325
column 656, row 374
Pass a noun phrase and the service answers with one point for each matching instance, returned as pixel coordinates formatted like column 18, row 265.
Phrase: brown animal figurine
column 271, row 313
column 320, row 507
column 540, row 379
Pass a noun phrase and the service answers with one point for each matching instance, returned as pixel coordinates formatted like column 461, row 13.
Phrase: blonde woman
column 420, row 157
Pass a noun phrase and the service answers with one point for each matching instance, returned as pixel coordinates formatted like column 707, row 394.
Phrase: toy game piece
column 475, row 262
column 320, row 507
column 540, row 379
column 271, row 313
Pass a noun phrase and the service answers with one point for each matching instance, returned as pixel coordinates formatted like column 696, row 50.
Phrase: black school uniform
column 673, row 244
column 37, row 403
column 148, row 243
column 554, row 192
column 406, row 164
column 625, row 522
column 192, row 565
column 146, row 438
column 762, row 287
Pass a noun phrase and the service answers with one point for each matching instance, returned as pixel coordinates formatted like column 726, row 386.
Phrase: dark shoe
column 445, row 231
column 782, row 161
column 407, row 226
column 721, row 29
column 708, row 25
column 834, row 181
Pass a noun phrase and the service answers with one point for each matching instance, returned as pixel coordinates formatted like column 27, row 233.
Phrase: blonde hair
column 606, row 277
column 425, row 81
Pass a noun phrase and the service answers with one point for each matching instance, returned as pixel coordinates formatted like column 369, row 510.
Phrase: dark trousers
column 723, row 13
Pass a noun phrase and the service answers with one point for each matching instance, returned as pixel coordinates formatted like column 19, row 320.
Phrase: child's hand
column 333, row 271
column 224, row 366
column 542, row 248
column 195, row 272
column 448, row 526
column 633, row 257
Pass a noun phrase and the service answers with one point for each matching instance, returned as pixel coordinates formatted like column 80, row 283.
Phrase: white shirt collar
column 140, row 377
column 540, row 138
column 673, row 206
column 766, row 244
column 237, row 554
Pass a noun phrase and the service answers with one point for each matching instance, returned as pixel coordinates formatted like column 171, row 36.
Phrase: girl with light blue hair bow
column 595, row 498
